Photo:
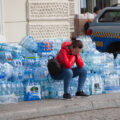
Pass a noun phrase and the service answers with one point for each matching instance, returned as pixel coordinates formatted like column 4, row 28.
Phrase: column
column 14, row 20
column 1, row 17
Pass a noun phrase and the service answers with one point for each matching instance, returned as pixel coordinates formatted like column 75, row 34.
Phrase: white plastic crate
column 49, row 29
column 47, row 9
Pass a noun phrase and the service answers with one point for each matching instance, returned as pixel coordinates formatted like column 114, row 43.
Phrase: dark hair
column 77, row 43
column 86, row 26
column 96, row 9
column 73, row 36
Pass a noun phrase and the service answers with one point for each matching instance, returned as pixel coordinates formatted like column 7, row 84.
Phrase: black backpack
column 53, row 66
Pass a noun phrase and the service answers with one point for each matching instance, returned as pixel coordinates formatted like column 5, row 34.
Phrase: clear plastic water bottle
column 52, row 91
column 87, row 85
column 8, row 87
column 7, row 99
column 3, row 88
column 28, row 75
column 3, row 77
column 60, row 89
column 108, row 83
column 8, row 70
column 37, row 62
column 40, row 73
column 17, row 88
column 3, row 46
column 17, row 63
column 21, row 92
column 6, row 56
column 18, row 74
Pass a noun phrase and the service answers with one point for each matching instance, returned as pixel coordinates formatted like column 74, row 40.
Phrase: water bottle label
column 33, row 92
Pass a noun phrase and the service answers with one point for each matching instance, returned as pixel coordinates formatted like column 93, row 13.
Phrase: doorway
column 90, row 4
column 103, row 3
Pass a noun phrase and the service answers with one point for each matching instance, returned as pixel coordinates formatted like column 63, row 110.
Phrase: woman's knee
column 84, row 70
column 68, row 72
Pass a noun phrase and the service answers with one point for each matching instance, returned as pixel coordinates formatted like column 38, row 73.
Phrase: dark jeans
column 68, row 74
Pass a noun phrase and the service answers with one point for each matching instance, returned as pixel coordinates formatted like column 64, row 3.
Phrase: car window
column 110, row 16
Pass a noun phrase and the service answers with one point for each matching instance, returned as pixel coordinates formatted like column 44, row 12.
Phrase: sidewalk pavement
column 46, row 108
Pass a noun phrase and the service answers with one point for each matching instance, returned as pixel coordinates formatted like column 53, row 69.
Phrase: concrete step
column 52, row 107
column 101, row 114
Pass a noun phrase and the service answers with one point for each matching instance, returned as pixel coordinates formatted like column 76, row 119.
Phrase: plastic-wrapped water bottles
column 3, row 77
column 17, row 89
column 52, row 91
column 25, row 53
column 97, row 84
column 87, row 41
column 28, row 62
column 73, row 86
column 5, row 47
column 17, row 63
column 28, row 74
column 40, row 73
column 8, row 69
column 32, row 91
column 29, row 43
column 21, row 92
column 37, row 62
column 112, row 83
column 45, row 46
column 5, row 56
column 59, row 86
column 87, row 85
column 18, row 70
column 23, row 65
column 6, row 99
column 44, row 61
column 8, row 93
column 44, row 91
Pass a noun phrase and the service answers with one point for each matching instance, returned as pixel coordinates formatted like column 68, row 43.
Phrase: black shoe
column 81, row 93
column 67, row 96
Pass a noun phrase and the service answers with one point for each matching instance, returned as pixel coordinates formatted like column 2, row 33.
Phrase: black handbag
column 53, row 66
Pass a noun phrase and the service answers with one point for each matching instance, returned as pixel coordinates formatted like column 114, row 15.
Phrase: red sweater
column 66, row 59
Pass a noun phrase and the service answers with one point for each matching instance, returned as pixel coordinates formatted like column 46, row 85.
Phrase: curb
column 46, row 108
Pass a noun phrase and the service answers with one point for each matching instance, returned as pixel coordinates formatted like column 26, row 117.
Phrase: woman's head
column 77, row 44
column 76, row 47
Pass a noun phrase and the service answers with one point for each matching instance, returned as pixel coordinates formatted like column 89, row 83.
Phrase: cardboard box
column 79, row 25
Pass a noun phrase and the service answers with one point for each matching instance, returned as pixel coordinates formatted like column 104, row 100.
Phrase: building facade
column 54, row 17
column 14, row 21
